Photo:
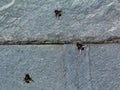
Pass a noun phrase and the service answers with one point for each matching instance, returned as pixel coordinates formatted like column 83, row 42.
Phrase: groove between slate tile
column 47, row 42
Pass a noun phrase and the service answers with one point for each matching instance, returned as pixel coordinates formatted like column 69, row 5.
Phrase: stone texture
column 88, row 20
column 43, row 63
column 77, row 68
column 59, row 67
column 105, row 67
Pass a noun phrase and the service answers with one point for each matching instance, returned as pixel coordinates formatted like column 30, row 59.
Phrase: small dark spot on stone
column 27, row 78
column 58, row 13
column 80, row 46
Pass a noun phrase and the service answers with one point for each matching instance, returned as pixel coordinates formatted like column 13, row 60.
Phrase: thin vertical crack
column 90, row 74
column 64, row 68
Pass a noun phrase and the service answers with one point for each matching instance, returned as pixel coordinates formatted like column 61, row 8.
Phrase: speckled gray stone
column 105, row 67
column 86, row 20
column 77, row 67
column 59, row 67
column 43, row 63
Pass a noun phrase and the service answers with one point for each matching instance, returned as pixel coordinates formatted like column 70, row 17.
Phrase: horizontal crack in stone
column 47, row 42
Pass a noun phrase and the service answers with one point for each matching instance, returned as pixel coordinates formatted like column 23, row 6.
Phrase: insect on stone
column 80, row 46
column 58, row 13
column 27, row 78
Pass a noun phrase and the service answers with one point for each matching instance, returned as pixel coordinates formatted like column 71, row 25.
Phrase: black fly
column 58, row 13
column 80, row 46
column 27, row 78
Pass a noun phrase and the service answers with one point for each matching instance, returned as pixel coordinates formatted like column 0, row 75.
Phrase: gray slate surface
column 105, row 67
column 60, row 67
column 87, row 20
column 43, row 63
column 51, row 67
